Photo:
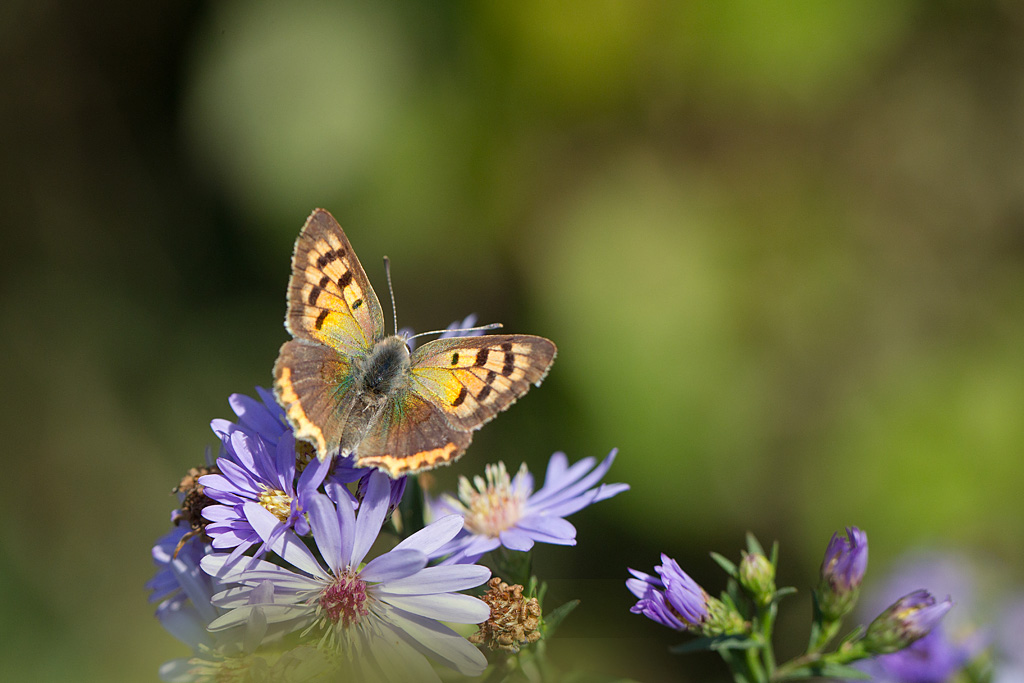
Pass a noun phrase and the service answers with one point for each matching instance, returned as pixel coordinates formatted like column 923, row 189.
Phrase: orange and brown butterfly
column 348, row 388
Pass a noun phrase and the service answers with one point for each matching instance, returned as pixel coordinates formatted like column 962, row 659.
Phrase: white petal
column 462, row 609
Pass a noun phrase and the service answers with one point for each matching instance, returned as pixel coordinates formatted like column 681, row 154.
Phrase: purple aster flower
column 908, row 619
column 263, row 418
column 500, row 511
column 842, row 570
column 469, row 321
column 382, row 617
column 952, row 644
column 672, row 598
column 1010, row 642
column 254, row 472
column 934, row 658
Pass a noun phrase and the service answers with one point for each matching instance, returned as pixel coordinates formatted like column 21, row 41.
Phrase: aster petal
column 468, row 549
column 287, row 544
column 284, row 464
column 557, row 466
column 219, row 513
column 442, row 579
column 196, row 586
column 346, row 522
column 434, row 535
column 274, row 614
column 239, row 483
column 314, row 474
column 516, row 539
column 323, row 519
column 394, row 565
column 372, row 511
column 398, row 661
column 230, row 537
column 182, row 621
column 553, row 527
column 255, row 628
column 254, row 414
column 455, row 607
column 439, row 642
column 577, row 503
column 229, row 569
column 177, row 671
column 566, row 489
column 223, row 428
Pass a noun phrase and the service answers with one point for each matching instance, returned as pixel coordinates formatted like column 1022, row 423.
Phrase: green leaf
column 753, row 547
column 552, row 620
column 725, row 564
column 717, row 643
column 827, row 670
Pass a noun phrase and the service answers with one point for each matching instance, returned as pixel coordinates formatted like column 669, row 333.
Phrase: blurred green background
column 779, row 244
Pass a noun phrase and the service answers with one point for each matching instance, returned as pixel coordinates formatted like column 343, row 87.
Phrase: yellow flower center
column 490, row 505
column 278, row 502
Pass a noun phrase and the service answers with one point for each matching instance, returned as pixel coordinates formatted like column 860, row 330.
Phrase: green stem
column 767, row 626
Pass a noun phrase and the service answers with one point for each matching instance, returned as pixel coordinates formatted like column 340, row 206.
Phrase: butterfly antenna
column 394, row 308
column 481, row 328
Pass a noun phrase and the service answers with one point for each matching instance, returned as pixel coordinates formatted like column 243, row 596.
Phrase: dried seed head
column 194, row 499
column 514, row 620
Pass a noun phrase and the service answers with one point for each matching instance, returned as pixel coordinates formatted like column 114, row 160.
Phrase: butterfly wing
column 410, row 434
column 335, row 317
column 312, row 383
column 455, row 386
column 330, row 299
column 472, row 379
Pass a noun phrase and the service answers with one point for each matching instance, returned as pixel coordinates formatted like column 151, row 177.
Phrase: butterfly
column 347, row 388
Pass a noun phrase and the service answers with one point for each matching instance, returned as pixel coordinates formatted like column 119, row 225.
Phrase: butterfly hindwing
column 330, row 299
column 472, row 379
column 408, row 435
column 312, row 383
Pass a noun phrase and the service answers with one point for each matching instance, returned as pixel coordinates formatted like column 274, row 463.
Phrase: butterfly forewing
column 472, row 379
column 330, row 299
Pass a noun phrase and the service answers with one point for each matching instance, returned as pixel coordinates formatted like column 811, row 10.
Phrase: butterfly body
column 348, row 388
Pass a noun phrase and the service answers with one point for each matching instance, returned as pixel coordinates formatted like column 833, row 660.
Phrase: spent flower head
column 514, row 620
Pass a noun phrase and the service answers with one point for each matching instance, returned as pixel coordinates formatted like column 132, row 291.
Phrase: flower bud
column 675, row 600
column 757, row 575
column 842, row 570
column 911, row 617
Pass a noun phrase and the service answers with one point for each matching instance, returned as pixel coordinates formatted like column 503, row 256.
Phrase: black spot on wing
column 460, row 398
column 481, row 357
column 326, row 258
column 320, row 318
column 455, row 358
column 314, row 293
column 484, row 393
column 345, row 279
column 356, row 304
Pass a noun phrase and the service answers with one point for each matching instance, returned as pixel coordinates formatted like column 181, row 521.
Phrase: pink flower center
column 344, row 600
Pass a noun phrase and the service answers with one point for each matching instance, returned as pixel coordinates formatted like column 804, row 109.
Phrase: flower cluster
column 285, row 567
column 743, row 619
